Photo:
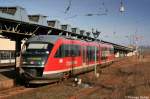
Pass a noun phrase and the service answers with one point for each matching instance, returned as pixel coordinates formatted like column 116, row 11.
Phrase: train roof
column 53, row 38
column 43, row 38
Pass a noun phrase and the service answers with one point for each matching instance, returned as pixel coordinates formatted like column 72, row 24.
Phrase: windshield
column 36, row 53
column 37, row 47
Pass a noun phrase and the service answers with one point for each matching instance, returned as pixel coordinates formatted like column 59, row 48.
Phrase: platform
column 7, row 79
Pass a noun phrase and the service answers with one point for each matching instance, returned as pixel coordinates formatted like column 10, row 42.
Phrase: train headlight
column 47, row 52
column 24, row 62
column 32, row 62
column 43, row 63
column 60, row 60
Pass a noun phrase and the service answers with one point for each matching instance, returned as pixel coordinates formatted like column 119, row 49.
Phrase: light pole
column 96, row 35
column 122, row 8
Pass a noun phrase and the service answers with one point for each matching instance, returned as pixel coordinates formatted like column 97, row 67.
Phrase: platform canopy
column 16, row 25
column 119, row 47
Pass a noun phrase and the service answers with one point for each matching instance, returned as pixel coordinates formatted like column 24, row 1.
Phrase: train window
column 75, row 50
column 91, row 53
column 111, row 50
column 38, row 48
column 97, row 54
column 68, row 50
column 104, row 54
column 88, row 53
column 60, row 52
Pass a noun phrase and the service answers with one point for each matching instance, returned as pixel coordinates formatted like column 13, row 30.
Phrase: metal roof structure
column 16, row 25
column 119, row 47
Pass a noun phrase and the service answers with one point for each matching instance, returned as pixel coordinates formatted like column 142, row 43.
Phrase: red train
column 50, row 57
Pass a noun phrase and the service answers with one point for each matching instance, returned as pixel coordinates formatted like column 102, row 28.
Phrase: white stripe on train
column 64, row 70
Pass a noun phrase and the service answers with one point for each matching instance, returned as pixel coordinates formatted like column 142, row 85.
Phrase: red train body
column 52, row 57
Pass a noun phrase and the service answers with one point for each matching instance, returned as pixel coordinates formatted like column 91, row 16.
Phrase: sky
column 133, row 25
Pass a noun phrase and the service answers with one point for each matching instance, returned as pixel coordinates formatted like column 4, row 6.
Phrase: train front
column 35, row 53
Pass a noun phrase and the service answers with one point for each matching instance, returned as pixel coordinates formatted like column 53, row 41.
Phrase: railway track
column 7, row 66
column 83, row 93
column 13, row 91
column 17, row 90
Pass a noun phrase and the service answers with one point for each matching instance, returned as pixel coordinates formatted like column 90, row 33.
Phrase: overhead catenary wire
column 88, row 14
column 68, row 7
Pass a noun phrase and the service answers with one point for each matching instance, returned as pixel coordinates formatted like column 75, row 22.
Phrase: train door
column 88, row 57
column 99, row 53
column 67, row 50
column 69, row 59
column 84, row 55
column 72, row 58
